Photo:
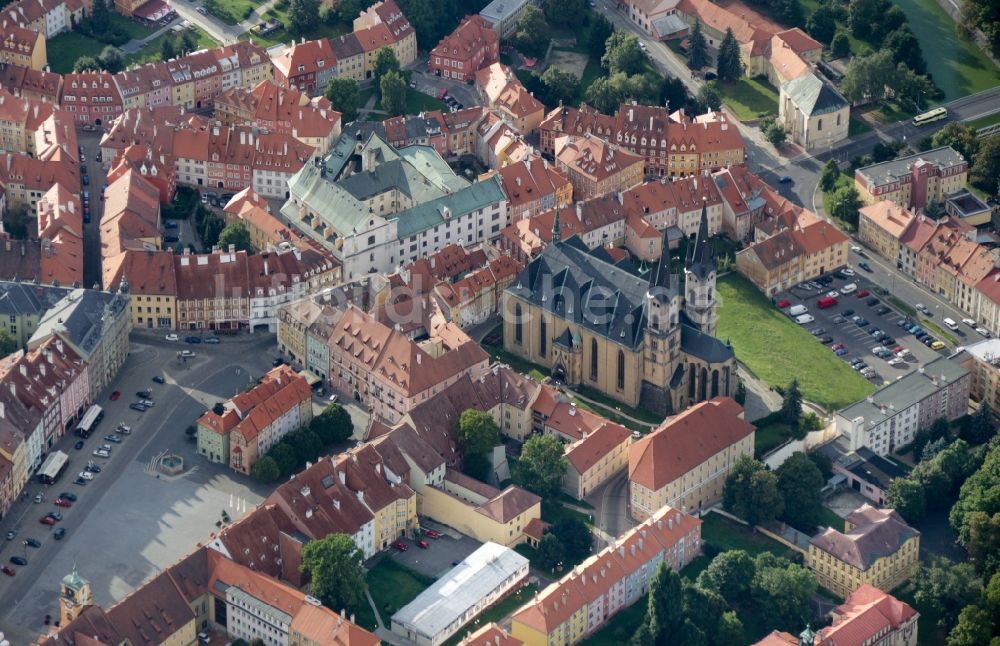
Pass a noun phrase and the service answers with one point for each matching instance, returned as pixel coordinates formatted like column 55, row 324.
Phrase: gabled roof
column 877, row 534
column 813, row 95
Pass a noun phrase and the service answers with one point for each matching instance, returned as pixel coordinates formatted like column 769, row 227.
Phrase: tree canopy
column 542, row 465
column 337, row 576
column 623, row 54
column 698, row 48
column 729, row 66
column 303, row 17
column 344, row 97
column 751, row 492
column 532, row 32
column 8, row 344
column 800, row 482
column 392, row 89
column 385, row 62
column 236, row 233
column 560, row 85
column 334, row 424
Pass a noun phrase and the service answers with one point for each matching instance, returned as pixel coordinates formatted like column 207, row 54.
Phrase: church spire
column 700, row 255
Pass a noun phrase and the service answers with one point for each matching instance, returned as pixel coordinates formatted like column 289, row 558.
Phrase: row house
column 29, row 83
column 424, row 129
column 384, row 25
column 913, row 181
column 596, row 167
column 460, row 129
column 595, row 458
column 280, row 277
column 21, row 440
column 499, row 144
column 306, row 66
column 882, row 225
column 350, row 56
column 276, row 158
column 131, row 219
column 388, row 372
column 28, row 179
column 159, row 169
column 47, row 17
column 675, row 204
column 462, row 53
column 585, row 599
column 477, row 297
column 151, row 126
column 93, row 98
column 21, row 46
column 533, row 186
column 599, row 222
column 501, row 90
column 152, row 285
column 60, row 232
column 567, row 120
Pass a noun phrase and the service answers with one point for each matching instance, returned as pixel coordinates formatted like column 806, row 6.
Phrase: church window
column 593, row 359
column 518, row 330
column 542, row 334
column 621, row 370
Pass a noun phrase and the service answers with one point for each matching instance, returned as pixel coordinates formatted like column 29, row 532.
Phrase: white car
column 922, row 308
column 805, row 318
column 124, row 429
column 833, row 294
column 969, row 322
column 187, row 353
column 902, row 353
column 895, row 361
column 101, row 453
column 847, row 271
column 171, row 337
column 848, row 288
column 855, row 248
column 86, row 475
column 983, row 331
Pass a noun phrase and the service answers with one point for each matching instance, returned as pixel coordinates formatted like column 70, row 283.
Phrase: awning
column 311, row 378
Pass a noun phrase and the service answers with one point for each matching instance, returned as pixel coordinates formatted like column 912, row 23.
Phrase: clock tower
column 74, row 596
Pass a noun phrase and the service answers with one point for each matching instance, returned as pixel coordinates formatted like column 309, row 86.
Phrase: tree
column 751, row 492
column 945, row 587
column 982, row 15
column 800, row 482
column 980, row 427
column 560, row 85
column 959, row 136
column 782, row 592
column 710, row 96
column 189, row 41
column 265, row 470
column 542, row 465
column 673, row 92
column 623, row 54
column 791, row 404
column 303, row 17
column 16, row 219
column 285, row 457
column 344, row 97
column 790, row 13
column 822, row 24
column 890, row 21
column 476, row 465
column 111, row 59
column 844, row 204
column 218, row 408
column 869, row 78
column 604, row 95
column 984, row 542
column 476, row 432
column 569, row 13
column 698, row 48
column 392, row 88
column 664, row 613
column 599, row 29
column 728, row 63
column 385, row 62
column 333, row 424
column 306, row 444
column 236, row 233
column 866, row 15
column 776, row 134
column 986, row 166
column 167, row 50
column 334, row 566
column 86, row 64
column 906, row 49
column 550, row 552
column 840, row 46
column 910, row 89
column 729, row 574
column 978, row 494
column 100, row 19
column 730, row 629
column 574, row 535
column 974, row 628
column 741, row 392
column 831, row 173
column 907, row 497
column 532, row 32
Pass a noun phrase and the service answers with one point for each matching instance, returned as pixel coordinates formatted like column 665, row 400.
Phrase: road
column 92, row 229
column 610, row 502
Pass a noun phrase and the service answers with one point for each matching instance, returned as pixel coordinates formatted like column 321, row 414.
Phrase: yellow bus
column 931, row 115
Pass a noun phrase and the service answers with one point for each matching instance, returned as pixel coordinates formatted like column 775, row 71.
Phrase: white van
column 950, row 324
column 796, row 310
column 805, row 318
column 848, row 288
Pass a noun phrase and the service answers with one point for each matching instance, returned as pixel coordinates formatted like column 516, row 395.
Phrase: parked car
column 32, row 542
column 848, row 313
column 170, row 224
column 847, row 271
column 158, row 379
column 59, row 533
column 864, row 265
column 875, row 332
column 62, row 502
column 92, row 468
column 124, row 429
column 171, row 337
column 837, row 346
column 422, row 544
column 983, row 331
column 213, row 339
column 840, row 352
column 68, row 496
column 148, row 403
column 78, row 445
column 102, row 453
column 937, row 345
column 188, row 354
column 895, row 361
column 47, row 520
column 170, row 238
column 192, row 339
column 39, row 498
column 888, row 340
column 113, row 437
column 9, row 571
column 804, row 318
column 430, row 533
column 80, row 481
column 838, row 319
column 11, row 534
column 826, row 339
column 18, row 560
column 784, row 179
column 400, row 545
column 137, row 406
column 817, row 331
column 882, row 310
column 861, row 322
column 922, row 308
column 145, row 393
column 783, row 303
column 86, row 475
column 862, row 293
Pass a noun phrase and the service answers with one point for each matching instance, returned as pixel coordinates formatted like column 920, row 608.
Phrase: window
column 542, row 332
column 593, row 359
column 819, row 124
column 621, row 370
column 518, row 331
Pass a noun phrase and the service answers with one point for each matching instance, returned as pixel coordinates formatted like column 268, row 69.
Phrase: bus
column 53, row 467
column 90, row 420
column 931, row 115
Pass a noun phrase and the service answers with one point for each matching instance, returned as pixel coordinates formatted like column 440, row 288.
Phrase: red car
column 836, row 346
column 47, row 520
column 861, row 293
column 61, row 502
column 400, row 545
column 115, row 395
column 6, row 570
column 784, row 303
column 422, row 544
column 432, row 534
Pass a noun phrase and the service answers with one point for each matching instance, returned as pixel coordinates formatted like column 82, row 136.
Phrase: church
column 640, row 337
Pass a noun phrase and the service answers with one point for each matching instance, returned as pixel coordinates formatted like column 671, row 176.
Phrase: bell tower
column 700, row 269
column 74, row 596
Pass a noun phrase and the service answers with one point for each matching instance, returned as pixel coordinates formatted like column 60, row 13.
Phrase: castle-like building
column 595, row 319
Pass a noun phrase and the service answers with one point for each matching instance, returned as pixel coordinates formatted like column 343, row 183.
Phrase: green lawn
column 320, row 30
column 724, row 534
column 890, row 112
column 638, row 413
column 843, row 180
column 496, row 613
column 622, row 626
column 902, row 306
column 151, row 52
column 392, row 586
column 928, row 632
column 417, row 102
column 133, row 28
column 770, row 436
column 857, row 127
column 748, row 98
column 533, row 370
column 958, row 67
column 938, row 330
column 777, row 350
column 984, row 121
column 232, row 11
column 829, row 519
column 64, row 50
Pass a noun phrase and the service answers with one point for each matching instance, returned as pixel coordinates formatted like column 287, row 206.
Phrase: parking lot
column 441, row 554
column 853, row 322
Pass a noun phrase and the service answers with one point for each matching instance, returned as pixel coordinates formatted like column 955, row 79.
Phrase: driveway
column 610, row 502
column 128, row 523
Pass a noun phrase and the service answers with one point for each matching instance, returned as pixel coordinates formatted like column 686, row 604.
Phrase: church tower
column 662, row 335
column 700, row 269
column 74, row 596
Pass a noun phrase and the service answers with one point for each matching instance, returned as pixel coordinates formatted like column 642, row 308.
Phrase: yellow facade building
column 684, row 463
column 597, row 457
column 881, row 225
column 293, row 321
column 879, row 549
